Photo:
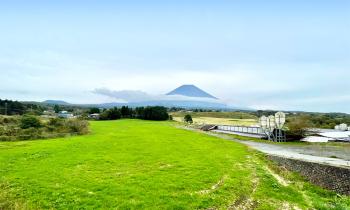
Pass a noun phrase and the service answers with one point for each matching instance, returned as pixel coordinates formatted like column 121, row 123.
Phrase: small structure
column 337, row 136
column 65, row 114
column 208, row 127
column 95, row 116
column 249, row 131
column 341, row 127
column 327, row 135
column 272, row 126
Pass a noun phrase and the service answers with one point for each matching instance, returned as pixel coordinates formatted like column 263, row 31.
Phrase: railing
column 241, row 129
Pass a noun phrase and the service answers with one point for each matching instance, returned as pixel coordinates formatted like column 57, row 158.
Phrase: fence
column 242, row 129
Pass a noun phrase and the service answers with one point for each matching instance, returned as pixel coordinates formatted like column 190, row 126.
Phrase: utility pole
column 5, row 108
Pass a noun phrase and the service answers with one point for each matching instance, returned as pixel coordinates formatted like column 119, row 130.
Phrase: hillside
column 58, row 102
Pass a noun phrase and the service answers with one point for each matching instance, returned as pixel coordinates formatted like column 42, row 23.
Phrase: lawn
column 134, row 164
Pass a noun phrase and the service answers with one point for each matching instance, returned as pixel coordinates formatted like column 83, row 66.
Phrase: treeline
column 145, row 113
column 8, row 107
column 319, row 120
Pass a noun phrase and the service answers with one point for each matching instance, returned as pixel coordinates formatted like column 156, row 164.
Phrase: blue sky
column 290, row 55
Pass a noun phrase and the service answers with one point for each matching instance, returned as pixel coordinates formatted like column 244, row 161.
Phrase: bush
column 188, row 118
column 28, row 121
column 30, row 133
column 297, row 127
column 110, row 114
column 77, row 126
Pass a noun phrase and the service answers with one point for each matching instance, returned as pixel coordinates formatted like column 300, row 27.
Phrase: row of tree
column 145, row 113
column 8, row 107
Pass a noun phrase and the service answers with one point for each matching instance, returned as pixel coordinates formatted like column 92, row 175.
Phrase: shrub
column 110, row 114
column 30, row 133
column 188, row 118
column 77, row 126
column 297, row 127
column 28, row 121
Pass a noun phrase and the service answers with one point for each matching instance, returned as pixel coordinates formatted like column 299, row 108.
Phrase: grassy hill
column 134, row 164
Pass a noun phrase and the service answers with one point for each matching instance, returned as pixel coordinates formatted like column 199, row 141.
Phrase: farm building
column 65, row 114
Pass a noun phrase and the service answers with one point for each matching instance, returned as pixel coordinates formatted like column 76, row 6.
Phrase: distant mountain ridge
column 57, row 102
column 191, row 91
column 204, row 101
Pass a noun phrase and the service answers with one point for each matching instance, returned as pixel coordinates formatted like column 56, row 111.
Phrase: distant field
column 233, row 115
column 219, row 118
column 134, row 164
column 220, row 121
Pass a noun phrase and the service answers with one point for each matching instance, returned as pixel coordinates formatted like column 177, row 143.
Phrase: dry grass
column 220, row 121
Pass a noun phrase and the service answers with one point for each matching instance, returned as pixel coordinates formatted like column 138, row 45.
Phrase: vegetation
column 111, row 114
column 29, row 121
column 328, row 120
column 234, row 115
column 153, row 113
column 133, row 164
column 8, row 107
column 297, row 127
column 145, row 113
column 188, row 118
column 94, row 110
column 32, row 127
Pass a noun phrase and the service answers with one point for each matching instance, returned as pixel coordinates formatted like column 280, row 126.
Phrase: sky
column 282, row 55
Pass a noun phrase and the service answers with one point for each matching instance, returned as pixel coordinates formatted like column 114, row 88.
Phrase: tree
column 126, row 111
column 94, row 110
column 188, row 118
column 155, row 113
column 139, row 112
column 28, row 121
column 297, row 126
column 110, row 114
column 56, row 108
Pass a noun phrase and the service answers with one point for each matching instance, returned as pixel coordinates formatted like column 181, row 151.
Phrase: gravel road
column 320, row 153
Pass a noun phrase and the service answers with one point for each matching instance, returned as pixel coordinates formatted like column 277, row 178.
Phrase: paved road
column 326, row 154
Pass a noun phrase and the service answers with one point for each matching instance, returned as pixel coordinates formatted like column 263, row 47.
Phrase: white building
column 65, row 114
column 94, row 116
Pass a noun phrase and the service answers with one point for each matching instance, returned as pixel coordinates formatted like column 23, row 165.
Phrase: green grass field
column 134, row 164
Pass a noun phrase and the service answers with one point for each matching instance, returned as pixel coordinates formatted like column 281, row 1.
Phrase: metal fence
column 241, row 129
